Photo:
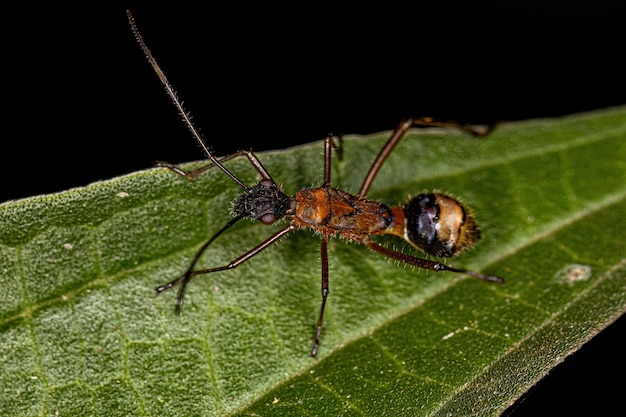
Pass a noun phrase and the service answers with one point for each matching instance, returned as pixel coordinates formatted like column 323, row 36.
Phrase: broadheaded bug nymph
column 435, row 223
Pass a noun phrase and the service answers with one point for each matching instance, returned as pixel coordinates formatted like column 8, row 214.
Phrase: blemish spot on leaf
column 68, row 246
column 448, row 336
column 574, row 273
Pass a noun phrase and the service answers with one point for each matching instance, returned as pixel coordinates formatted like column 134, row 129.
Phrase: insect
column 435, row 223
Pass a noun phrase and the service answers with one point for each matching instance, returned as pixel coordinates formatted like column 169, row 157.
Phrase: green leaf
column 84, row 334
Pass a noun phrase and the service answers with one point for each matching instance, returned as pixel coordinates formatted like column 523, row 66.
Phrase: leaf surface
column 83, row 333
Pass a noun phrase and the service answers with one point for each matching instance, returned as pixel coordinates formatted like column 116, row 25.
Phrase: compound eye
column 268, row 218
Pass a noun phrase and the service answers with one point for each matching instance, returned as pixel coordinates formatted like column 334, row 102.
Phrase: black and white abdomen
column 439, row 225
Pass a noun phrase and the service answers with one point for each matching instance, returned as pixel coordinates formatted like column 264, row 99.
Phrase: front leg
column 194, row 173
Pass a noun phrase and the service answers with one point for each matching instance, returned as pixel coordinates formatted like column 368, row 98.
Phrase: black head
column 265, row 202
column 439, row 225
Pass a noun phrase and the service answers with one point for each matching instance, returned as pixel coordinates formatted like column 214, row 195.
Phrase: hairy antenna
column 170, row 92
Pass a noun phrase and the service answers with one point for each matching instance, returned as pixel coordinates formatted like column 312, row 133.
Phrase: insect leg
column 194, row 173
column 471, row 129
column 338, row 146
column 399, row 133
column 424, row 263
column 186, row 277
column 328, row 144
column 320, row 320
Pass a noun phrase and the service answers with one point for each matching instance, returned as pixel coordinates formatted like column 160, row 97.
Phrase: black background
column 81, row 103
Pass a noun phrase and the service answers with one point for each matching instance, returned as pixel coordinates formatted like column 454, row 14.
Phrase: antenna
column 170, row 92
